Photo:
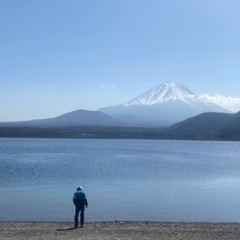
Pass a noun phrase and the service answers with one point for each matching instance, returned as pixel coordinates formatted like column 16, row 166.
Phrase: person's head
column 79, row 188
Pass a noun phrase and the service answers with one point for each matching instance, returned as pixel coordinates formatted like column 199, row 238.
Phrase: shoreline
column 120, row 230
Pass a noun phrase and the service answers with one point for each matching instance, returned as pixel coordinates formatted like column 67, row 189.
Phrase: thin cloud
column 107, row 85
column 231, row 103
column 186, row 54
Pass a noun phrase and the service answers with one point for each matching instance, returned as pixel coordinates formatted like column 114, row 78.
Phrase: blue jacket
column 79, row 198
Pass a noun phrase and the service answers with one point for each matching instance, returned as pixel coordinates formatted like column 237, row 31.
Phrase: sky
column 58, row 56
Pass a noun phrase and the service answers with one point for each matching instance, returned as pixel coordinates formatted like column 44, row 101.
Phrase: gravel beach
column 119, row 230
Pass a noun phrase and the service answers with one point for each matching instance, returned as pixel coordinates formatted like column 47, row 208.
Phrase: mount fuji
column 163, row 105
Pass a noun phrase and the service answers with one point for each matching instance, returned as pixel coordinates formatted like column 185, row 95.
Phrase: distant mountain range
column 168, row 111
column 205, row 126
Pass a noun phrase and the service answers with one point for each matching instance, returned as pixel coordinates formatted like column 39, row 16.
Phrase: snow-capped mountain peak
column 164, row 105
column 169, row 91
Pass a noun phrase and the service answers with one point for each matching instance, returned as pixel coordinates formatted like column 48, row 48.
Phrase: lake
column 129, row 180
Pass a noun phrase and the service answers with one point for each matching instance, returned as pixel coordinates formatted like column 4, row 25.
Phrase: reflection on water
column 123, row 179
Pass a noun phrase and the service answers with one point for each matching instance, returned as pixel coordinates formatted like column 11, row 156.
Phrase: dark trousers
column 78, row 209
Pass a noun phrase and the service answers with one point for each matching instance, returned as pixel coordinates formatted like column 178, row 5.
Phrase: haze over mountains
column 169, row 110
column 163, row 105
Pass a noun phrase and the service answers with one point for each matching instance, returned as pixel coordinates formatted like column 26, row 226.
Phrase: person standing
column 80, row 202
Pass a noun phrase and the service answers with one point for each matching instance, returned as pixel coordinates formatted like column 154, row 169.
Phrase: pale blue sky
column 62, row 55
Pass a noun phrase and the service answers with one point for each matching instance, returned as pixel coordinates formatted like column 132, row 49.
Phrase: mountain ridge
column 74, row 118
column 205, row 126
column 208, row 126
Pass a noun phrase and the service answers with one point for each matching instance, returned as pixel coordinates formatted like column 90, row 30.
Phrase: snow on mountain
column 163, row 105
column 163, row 93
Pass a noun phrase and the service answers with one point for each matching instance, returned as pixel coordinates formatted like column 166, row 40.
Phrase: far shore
column 119, row 230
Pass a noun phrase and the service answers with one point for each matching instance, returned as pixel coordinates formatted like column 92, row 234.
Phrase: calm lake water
column 143, row 180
